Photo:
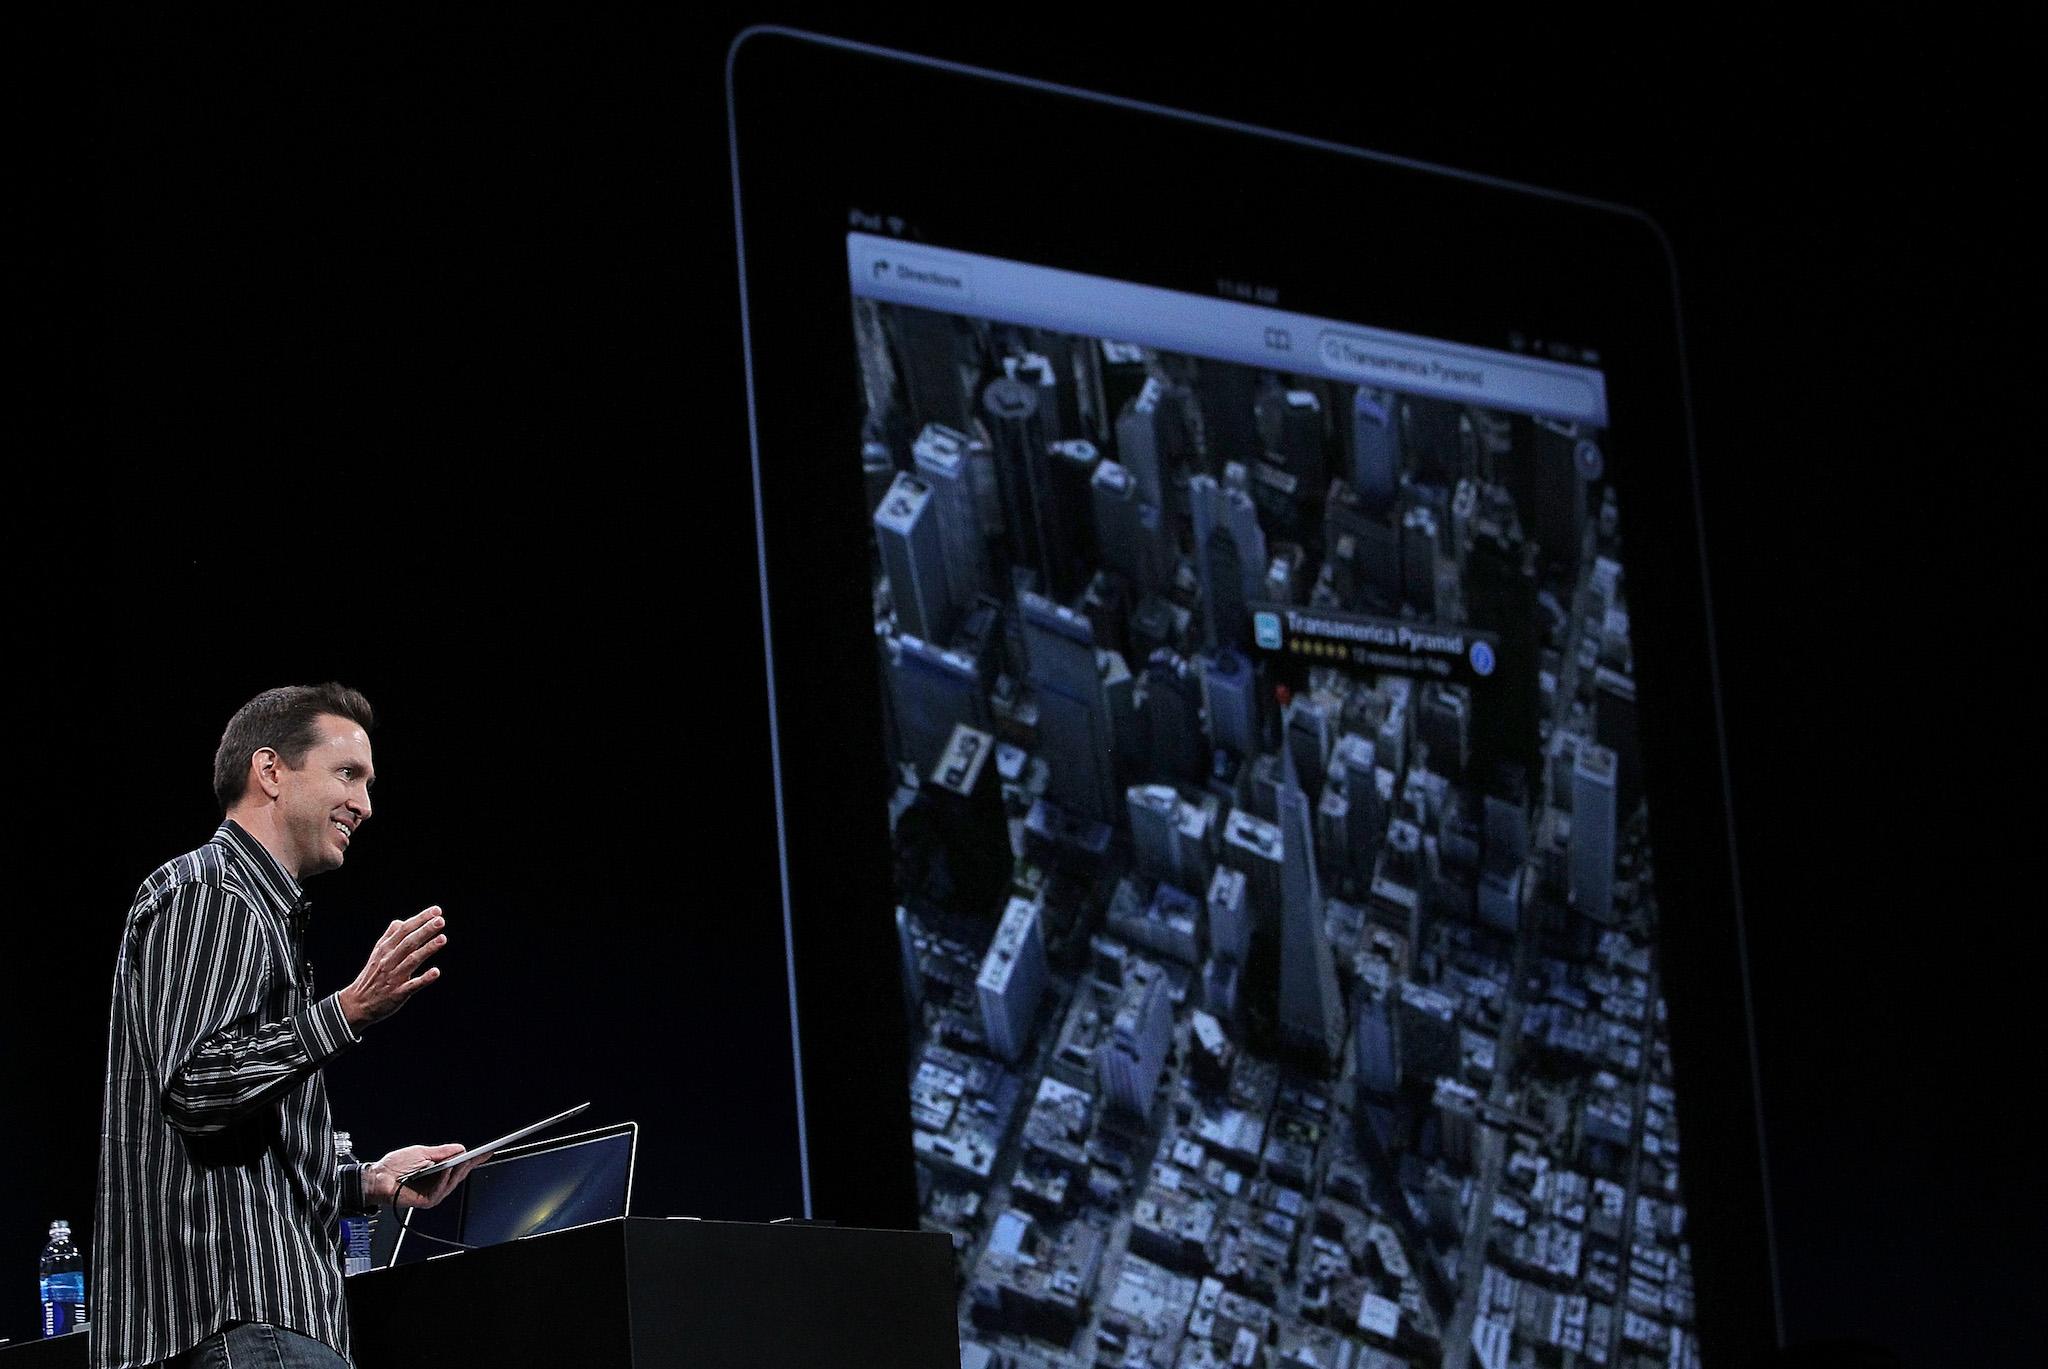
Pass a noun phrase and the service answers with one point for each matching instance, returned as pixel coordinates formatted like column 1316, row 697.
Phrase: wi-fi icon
column 895, row 223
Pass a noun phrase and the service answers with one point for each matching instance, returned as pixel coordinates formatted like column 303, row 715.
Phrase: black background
column 407, row 354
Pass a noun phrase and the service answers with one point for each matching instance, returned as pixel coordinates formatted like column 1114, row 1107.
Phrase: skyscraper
column 941, row 456
column 1379, row 1064
column 1129, row 1060
column 1227, row 392
column 963, row 796
column 1445, row 727
column 1020, row 426
column 1230, row 558
column 1504, row 852
column 1365, row 813
column 939, row 370
column 1073, row 708
column 1230, row 918
column 1593, row 832
column 1155, row 829
column 1311, row 1013
column 1139, row 447
column 914, row 557
column 1292, row 421
column 931, row 692
column 1375, row 447
column 1127, row 531
column 1012, row 980
column 1418, row 558
column 1173, row 713
column 1428, row 1021
column 1071, row 512
column 1251, row 846
column 1308, row 741
column 1233, row 708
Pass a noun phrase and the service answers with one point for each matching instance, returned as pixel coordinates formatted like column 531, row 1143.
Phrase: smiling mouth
column 346, row 834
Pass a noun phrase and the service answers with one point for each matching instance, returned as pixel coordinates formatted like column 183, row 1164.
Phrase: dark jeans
column 253, row 1345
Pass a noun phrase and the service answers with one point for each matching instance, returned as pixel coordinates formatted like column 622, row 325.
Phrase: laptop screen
column 550, row 1186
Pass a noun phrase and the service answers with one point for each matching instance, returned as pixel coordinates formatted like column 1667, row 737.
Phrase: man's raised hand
column 393, row 974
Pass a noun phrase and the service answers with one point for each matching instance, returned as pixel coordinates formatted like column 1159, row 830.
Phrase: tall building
column 1436, row 437
column 877, row 471
column 1075, row 729
column 1171, row 836
column 1122, row 373
column 1614, row 725
column 1365, row 813
column 1445, row 727
column 1012, row 980
column 1593, row 832
column 1371, row 544
column 1379, row 1062
column 964, row 796
column 931, row 692
column 1311, row 1012
column 1293, row 420
column 1428, row 1026
column 1504, row 853
column 941, row 457
column 1556, row 515
column 1139, row 444
column 1229, row 685
column 1019, row 424
column 1457, row 1118
column 1169, row 924
column 1418, row 558
column 914, row 558
column 1308, row 741
column 1129, row 1060
column 1226, row 393
column 1173, row 718
column 1375, row 447
column 1251, row 846
column 1071, row 514
column 1127, row 530
column 1155, row 829
column 1230, row 915
column 939, row 375
column 1230, row 558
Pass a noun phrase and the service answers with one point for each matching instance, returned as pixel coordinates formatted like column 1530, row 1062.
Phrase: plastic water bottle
column 356, row 1232
column 63, row 1283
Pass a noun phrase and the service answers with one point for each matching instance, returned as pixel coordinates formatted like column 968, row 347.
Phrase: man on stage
column 215, row 1238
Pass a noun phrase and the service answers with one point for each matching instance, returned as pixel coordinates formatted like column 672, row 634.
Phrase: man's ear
column 264, row 764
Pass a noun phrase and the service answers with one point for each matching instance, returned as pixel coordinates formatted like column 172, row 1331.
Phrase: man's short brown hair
column 287, row 720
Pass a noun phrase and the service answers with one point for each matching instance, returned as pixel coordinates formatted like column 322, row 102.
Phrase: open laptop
column 1257, row 863
column 526, row 1190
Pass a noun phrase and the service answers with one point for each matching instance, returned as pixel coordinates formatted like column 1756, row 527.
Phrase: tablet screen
column 1276, row 911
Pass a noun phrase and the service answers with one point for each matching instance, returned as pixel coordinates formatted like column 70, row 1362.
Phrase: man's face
column 326, row 797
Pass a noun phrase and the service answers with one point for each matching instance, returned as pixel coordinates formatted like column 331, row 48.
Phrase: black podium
column 650, row 1294
column 644, row 1292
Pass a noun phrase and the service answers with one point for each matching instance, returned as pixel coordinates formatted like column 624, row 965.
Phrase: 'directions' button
column 911, row 273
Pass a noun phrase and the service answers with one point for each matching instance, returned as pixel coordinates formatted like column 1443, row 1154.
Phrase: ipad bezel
column 958, row 155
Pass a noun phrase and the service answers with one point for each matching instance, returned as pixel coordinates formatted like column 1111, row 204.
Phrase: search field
column 1175, row 321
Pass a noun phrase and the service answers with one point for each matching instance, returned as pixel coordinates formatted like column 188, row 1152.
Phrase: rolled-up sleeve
column 204, row 980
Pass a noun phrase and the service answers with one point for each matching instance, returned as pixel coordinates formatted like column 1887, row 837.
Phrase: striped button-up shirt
column 219, row 1193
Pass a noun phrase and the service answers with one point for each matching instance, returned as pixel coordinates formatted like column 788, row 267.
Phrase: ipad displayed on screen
column 1256, row 854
